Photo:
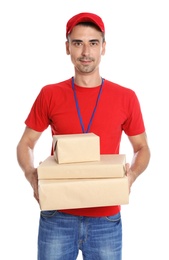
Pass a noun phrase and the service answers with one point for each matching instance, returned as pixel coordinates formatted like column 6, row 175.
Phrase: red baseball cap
column 84, row 17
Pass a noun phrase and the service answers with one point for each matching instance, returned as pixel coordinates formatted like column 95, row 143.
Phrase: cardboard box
column 76, row 147
column 82, row 193
column 110, row 165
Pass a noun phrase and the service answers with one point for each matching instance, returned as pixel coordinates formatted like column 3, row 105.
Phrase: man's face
column 85, row 46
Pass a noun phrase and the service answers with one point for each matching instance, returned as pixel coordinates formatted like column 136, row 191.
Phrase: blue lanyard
column 78, row 109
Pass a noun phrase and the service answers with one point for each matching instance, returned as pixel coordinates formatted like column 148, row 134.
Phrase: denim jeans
column 61, row 236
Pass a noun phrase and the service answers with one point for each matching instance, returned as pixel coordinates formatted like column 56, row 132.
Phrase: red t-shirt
column 118, row 110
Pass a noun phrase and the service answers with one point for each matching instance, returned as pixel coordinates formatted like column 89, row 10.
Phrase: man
column 84, row 103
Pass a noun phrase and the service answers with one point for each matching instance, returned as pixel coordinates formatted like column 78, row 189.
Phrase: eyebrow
column 93, row 40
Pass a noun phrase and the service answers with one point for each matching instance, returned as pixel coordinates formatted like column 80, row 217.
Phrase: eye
column 77, row 44
column 94, row 43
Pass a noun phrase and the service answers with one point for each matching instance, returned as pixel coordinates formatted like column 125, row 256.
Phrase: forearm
column 25, row 159
column 139, row 163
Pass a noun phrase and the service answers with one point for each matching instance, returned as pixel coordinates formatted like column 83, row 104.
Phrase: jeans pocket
column 48, row 213
column 114, row 218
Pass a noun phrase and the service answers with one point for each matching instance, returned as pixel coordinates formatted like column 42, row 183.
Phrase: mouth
column 85, row 61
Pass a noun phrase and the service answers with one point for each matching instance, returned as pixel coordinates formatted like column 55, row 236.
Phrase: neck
column 87, row 81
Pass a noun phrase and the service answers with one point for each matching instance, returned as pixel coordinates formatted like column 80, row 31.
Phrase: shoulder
column 56, row 86
column 118, row 89
column 116, row 86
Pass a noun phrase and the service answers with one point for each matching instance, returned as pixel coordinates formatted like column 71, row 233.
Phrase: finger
column 127, row 166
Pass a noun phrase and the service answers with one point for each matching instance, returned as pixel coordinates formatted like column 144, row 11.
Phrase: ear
column 103, row 48
column 67, row 47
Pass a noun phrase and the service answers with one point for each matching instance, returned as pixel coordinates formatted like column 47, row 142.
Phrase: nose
column 85, row 50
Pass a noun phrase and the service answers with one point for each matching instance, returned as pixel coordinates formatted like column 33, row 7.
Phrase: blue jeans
column 61, row 236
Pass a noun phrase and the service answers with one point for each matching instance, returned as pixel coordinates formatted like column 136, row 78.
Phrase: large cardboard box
column 109, row 165
column 82, row 193
column 70, row 148
column 80, row 185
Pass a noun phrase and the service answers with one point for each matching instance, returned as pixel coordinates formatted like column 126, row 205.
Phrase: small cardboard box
column 82, row 193
column 109, row 165
column 76, row 147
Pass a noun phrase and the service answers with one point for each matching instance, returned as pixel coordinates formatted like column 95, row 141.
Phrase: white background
column 32, row 54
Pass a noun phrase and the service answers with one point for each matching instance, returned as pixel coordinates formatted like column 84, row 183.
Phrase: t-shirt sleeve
column 38, row 116
column 134, row 123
